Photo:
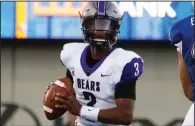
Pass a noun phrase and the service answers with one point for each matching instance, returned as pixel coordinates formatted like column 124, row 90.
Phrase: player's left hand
column 70, row 103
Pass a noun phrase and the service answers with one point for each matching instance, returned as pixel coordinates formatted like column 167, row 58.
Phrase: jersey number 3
column 136, row 66
column 89, row 96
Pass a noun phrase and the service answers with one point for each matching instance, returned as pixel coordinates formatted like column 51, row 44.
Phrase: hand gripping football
column 63, row 86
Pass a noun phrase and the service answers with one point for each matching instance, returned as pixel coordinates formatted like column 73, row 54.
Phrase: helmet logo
column 102, row 7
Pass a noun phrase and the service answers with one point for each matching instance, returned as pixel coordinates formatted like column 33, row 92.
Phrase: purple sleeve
column 133, row 70
column 126, row 87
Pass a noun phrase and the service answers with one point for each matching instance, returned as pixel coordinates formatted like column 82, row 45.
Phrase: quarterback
column 104, row 77
column 182, row 37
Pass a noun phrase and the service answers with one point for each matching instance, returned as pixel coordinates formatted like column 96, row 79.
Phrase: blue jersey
column 182, row 37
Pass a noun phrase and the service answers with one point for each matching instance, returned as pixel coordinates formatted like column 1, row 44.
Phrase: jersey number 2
column 91, row 97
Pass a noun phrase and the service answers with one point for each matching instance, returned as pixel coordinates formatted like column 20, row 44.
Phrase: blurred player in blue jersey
column 104, row 77
column 182, row 37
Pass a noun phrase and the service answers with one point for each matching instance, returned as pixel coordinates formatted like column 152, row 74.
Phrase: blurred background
column 33, row 34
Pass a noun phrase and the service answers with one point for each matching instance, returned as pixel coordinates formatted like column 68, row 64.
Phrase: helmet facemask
column 100, row 30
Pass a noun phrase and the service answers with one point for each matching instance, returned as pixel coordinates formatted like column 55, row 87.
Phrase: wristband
column 89, row 113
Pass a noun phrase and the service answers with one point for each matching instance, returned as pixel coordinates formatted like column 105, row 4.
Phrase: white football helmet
column 100, row 23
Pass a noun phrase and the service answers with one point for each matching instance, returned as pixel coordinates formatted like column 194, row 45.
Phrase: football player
column 182, row 37
column 104, row 77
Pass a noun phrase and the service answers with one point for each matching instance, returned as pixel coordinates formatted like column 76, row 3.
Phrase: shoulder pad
column 132, row 65
column 68, row 50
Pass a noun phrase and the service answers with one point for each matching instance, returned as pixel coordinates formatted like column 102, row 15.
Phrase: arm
column 123, row 112
column 184, row 77
column 176, row 41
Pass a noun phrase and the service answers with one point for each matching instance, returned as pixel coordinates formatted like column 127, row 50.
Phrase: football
column 63, row 86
